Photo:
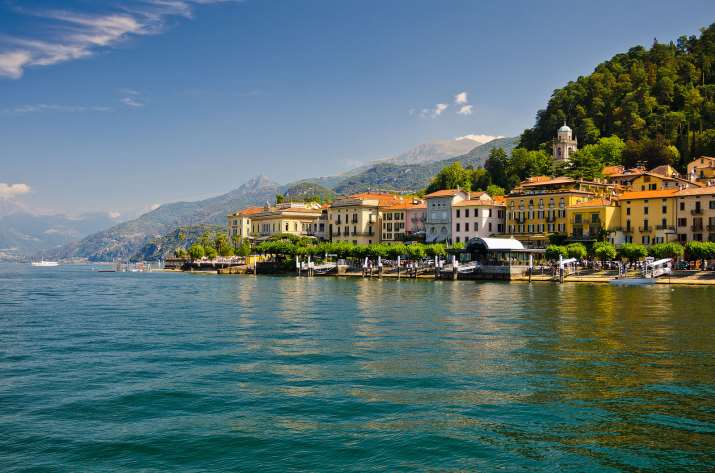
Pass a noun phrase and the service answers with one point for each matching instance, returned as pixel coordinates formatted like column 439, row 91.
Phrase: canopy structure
column 499, row 252
column 495, row 244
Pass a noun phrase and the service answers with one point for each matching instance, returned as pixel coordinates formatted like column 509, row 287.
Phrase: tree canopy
column 652, row 98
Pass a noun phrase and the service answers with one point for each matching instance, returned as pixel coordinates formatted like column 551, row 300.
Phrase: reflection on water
column 337, row 374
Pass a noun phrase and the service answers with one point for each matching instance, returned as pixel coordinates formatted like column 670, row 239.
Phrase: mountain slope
column 23, row 233
column 126, row 239
column 413, row 177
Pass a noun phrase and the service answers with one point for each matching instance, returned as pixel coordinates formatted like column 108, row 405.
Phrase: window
column 712, row 204
column 490, row 226
column 457, row 214
column 466, row 226
column 645, row 210
column 682, row 222
column 664, row 209
column 682, row 206
column 458, row 226
column 466, row 213
column 457, row 239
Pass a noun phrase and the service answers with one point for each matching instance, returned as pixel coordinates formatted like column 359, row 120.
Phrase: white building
column 438, row 225
column 565, row 144
column 479, row 216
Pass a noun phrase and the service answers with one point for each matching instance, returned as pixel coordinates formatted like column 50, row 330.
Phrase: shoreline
column 677, row 280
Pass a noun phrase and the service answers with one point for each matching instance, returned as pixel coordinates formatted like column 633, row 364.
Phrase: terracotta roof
column 555, row 180
column 407, row 206
column 249, row 211
column 445, row 193
column 591, row 203
column 697, row 191
column 647, row 194
column 612, row 170
column 384, row 199
column 499, row 199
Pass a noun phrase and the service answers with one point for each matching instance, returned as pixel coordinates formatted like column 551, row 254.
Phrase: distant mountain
column 435, row 151
column 24, row 233
column 413, row 177
column 306, row 190
column 154, row 234
column 126, row 239
column 161, row 247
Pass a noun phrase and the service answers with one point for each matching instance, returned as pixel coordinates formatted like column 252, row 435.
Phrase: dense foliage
column 651, row 98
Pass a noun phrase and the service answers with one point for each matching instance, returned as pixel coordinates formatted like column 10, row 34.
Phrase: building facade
column 438, row 224
column 403, row 220
column 536, row 208
column 695, row 214
column 646, row 217
column 702, row 170
column 239, row 223
column 592, row 220
column 565, row 144
column 358, row 218
column 295, row 218
column 478, row 216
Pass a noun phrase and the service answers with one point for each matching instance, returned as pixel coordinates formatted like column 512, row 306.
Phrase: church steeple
column 565, row 143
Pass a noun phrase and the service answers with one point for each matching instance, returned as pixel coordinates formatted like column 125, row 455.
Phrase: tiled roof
column 384, row 199
column 444, row 193
column 548, row 182
column 612, row 170
column 249, row 211
column 647, row 194
column 697, row 191
column 407, row 206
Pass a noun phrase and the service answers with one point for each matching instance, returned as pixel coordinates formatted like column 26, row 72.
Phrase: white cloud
column 114, row 215
column 481, row 139
column 44, row 107
column 131, row 102
column 465, row 110
column 438, row 109
column 72, row 36
column 460, row 98
column 154, row 206
column 8, row 191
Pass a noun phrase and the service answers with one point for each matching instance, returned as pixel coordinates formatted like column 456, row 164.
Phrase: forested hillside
column 650, row 98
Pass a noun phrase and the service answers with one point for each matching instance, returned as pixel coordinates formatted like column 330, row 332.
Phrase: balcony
column 550, row 219
column 645, row 229
column 711, row 227
column 355, row 219
column 667, row 228
column 628, row 230
column 696, row 212
column 696, row 228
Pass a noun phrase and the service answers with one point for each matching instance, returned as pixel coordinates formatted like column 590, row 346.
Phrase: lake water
column 179, row 372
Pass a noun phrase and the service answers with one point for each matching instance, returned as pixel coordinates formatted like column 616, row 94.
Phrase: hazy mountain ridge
column 151, row 234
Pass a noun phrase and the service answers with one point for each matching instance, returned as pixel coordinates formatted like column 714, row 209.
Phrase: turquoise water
column 178, row 372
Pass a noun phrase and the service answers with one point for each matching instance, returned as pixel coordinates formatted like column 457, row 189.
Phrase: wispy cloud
column 44, row 107
column 70, row 35
column 8, row 191
column 465, row 110
column 460, row 98
column 433, row 112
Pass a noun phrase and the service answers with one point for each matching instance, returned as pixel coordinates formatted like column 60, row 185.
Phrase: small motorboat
column 45, row 264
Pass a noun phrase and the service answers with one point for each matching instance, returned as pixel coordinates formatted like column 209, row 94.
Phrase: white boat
column 45, row 264
column 653, row 269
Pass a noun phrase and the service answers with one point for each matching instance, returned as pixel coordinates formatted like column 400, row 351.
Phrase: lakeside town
column 637, row 215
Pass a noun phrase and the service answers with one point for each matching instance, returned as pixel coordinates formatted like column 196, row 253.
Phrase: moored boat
column 45, row 264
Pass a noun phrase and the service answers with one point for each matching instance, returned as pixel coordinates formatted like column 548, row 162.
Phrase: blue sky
column 118, row 106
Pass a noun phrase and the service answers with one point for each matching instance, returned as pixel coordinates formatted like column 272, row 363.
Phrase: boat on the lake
column 653, row 269
column 45, row 264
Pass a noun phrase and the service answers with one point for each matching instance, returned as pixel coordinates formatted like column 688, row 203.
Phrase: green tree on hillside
column 451, row 177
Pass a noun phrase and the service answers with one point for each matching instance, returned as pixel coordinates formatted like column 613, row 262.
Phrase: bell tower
column 565, row 144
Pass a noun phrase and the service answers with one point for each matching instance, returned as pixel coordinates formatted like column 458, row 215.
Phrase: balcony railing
column 668, row 228
column 711, row 227
column 645, row 229
column 696, row 212
column 696, row 228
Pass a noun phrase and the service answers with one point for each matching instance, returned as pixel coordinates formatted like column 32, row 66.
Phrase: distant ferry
column 45, row 264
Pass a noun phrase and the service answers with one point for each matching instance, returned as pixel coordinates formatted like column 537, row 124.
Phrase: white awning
column 503, row 244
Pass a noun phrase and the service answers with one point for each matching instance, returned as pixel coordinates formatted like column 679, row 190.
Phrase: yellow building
column 296, row 218
column 239, row 223
column 592, row 220
column 702, row 170
column 652, row 181
column 358, row 218
column 537, row 207
column 646, row 217
column 695, row 214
